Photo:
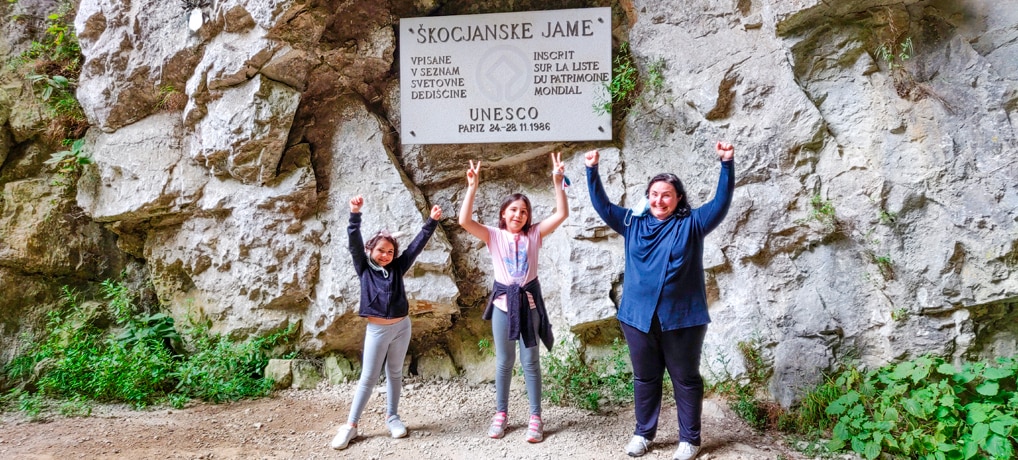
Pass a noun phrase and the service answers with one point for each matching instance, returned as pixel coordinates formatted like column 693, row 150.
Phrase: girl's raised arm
column 466, row 217
column 558, row 174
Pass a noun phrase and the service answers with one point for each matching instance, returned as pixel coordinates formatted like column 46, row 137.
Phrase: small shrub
column 899, row 314
column 888, row 218
column 51, row 66
column 626, row 87
column 928, row 408
column 810, row 416
column 485, row 348
column 68, row 163
column 895, row 57
column 885, row 265
column 220, row 370
column 822, row 210
column 569, row 380
column 139, row 363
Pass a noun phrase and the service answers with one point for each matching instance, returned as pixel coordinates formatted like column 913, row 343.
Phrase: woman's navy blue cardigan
column 664, row 258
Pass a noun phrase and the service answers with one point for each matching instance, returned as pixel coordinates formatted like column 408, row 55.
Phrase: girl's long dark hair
column 509, row 200
column 682, row 209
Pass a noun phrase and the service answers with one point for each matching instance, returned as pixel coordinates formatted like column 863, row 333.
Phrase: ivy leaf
column 840, row 405
column 999, row 447
column 970, row 449
column 914, row 408
column 903, row 370
column 965, row 376
column 872, row 450
column 841, row 432
column 922, row 369
column 988, row 388
column 976, row 414
column 945, row 447
column 997, row 373
column 836, row 444
column 1002, row 425
column 859, row 446
column 980, row 431
column 946, row 369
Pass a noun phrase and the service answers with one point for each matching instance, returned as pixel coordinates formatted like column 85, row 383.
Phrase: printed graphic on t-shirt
column 516, row 262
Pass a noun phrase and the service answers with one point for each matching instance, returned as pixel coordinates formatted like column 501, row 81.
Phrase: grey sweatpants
column 505, row 359
column 388, row 344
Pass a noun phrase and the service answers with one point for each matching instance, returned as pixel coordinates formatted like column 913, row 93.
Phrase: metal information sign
column 512, row 77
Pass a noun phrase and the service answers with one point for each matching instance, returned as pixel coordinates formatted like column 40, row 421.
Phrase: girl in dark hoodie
column 381, row 267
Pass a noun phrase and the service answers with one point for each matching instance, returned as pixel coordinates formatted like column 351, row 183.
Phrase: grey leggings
column 505, row 359
column 386, row 343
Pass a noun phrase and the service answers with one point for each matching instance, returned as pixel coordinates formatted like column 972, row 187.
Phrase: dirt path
column 447, row 420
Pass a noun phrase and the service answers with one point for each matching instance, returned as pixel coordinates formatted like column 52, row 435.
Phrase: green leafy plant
column 218, row 369
column 887, row 217
column 143, row 360
column 626, row 86
column 742, row 392
column 569, row 380
column 899, row 314
column 885, row 265
column 68, row 163
column 51, row 66
column 895, row 57
column 138, row 327
column 810, row 414
column 49, row 84
column 746, row 404
column 484, row 346
column 822, row 210
column 928, row 408
column 622, row 87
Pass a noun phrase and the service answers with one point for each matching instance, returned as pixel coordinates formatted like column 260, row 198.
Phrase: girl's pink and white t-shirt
column 514, row 258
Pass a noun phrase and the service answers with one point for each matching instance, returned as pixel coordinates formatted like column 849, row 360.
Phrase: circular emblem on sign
column 503, row 74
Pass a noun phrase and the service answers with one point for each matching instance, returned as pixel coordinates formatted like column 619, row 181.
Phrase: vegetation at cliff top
column 51, row 66
column 626, row 87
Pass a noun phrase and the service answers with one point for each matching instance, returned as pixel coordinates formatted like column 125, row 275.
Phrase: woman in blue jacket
column 381, row 267
column 663, row 312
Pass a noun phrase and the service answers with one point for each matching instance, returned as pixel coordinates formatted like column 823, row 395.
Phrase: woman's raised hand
column 591, row 158
column 356, row 203
column 725, row 151
column 473, row 174
column 436, row 212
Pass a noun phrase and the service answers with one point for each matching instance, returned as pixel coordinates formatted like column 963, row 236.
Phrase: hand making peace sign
column 473, row 174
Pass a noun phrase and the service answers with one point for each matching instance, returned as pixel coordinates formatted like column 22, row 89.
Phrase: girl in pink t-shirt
column 516, row 309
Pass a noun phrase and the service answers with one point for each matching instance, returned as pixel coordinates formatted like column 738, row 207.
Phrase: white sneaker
column 396, row 426
column 346, row 433
column 637, row 446
column 686, row 451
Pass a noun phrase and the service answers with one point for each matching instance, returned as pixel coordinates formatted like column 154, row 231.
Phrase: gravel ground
column 446, row 419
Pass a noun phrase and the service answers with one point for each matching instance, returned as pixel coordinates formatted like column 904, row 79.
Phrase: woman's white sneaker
column 637, row 446
column 686, row 451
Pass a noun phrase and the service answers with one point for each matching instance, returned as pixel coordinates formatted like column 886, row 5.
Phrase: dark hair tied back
column 682, row 209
